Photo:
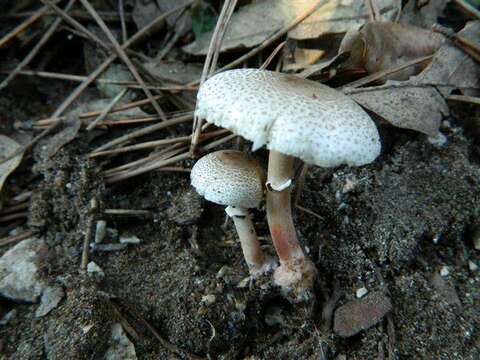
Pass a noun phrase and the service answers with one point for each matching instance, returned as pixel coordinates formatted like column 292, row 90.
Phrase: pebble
column 448, row 292
column 472, row 266
column 100, row 231
column 358, row 315
column 20, row 275
column 121, row 347
column 93, row 268
column 208, row 299
column 361, row 292
column 129, row 239
column 444, row 271
column 7, row 317
column 50, row 299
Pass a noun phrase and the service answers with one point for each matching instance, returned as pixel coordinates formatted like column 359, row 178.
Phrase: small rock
column 129, row 239
column 100, row 231
column 472, row 266
column 7, row 317
column 208, row 299
column 362, row 314
column 361, row 292
column 108, row 247
column 447, row 291
column 20, row 275
column 121, row 347
column 444, row 271
column 50, row 299
column 186, row 208
column 93, row 268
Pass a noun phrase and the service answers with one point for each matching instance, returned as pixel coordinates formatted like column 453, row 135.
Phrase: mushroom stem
column 279, row 210
column 253, row 254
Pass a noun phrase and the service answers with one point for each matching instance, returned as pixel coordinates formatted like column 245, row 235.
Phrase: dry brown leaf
column 8, row 147
column 381, row 46
column 424, row 15
column 254, row 23
column 145, row 11
column 419, row 103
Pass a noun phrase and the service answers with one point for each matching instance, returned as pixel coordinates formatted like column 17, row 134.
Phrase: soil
column 389, row 227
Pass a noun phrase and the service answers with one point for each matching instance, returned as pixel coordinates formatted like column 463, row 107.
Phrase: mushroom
column 294, row 118
column 231, row 178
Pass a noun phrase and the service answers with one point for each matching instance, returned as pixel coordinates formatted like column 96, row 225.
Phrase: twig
column 468, row 46
column 122, row 55
column 156, row 143
column 273, row 54
column 308, row 211
column 373, row 11
column 78, row 14
column 121, row 13
column 144, row 131
column 167, row 345
column 329, row 306
column 468, row 9
column 15, row 238
column 14, row 216
column 274, row 37
column 10, row 209
column 381, row 74
column 211, row 61
column 127, row 212
column 24, row 25
column 107, row 109
column 36, row 48
column 138, row 36
column 465, row 99
column 88, row 233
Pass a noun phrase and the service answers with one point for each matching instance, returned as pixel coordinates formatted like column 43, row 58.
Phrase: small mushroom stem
column 253, row 254
column 296, row 273
column 279, row 209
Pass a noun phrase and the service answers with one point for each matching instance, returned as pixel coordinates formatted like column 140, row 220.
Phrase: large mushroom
column 232, row 178
column 293, row 118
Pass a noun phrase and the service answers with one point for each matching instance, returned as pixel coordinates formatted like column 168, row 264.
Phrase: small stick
column 15, row 238
column 465, row 99
column 78, row 14
column 23, row 196
column 24, row 25
column 14, row 216
column 107, row 109
column 272, row 55
column 156, row 143
column 308, row 211
column 144, row 131
column 88, row 233
column 121, row 13
column 127, row 212
column 36, row 48
column 211, row 61
column 380, row 74
column 122, row 55
column 468, row 46
column 21, row 206
column 468, row 9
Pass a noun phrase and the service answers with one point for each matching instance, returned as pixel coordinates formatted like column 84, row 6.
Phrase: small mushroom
column 231, row 178
column 293, row 118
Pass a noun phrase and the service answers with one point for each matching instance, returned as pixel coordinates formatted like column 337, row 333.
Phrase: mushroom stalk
column 252, row 252
column 279, row 210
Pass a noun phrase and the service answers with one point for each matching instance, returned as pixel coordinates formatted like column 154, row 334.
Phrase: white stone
column 100, row 231
column 50, row 299
column 129, row 239
column 208, row 299
column 20, row 275
column 121, row 347
column 361, row 292
column 93, row 268
column 444, row 271
column 472, row 266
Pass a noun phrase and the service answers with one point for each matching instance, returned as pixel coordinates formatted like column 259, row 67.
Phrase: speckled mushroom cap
column 291, row 115
column 229, row 177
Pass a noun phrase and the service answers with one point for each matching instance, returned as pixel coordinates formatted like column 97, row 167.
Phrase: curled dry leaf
column 8, row 147
column 254, row 23
column 378, row 46
column 419, row 103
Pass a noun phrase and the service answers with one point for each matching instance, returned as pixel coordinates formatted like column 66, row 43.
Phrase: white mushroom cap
column 291, row 115
column 229, row 177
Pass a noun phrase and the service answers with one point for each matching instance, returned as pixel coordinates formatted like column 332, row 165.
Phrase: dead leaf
column 419, row 103
column 175, row 72
column 8, row 147
column 454, row 67
column 379, row 46
column 145, row 11
column 50, row 146
column 254, row 23
column 424, row 15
